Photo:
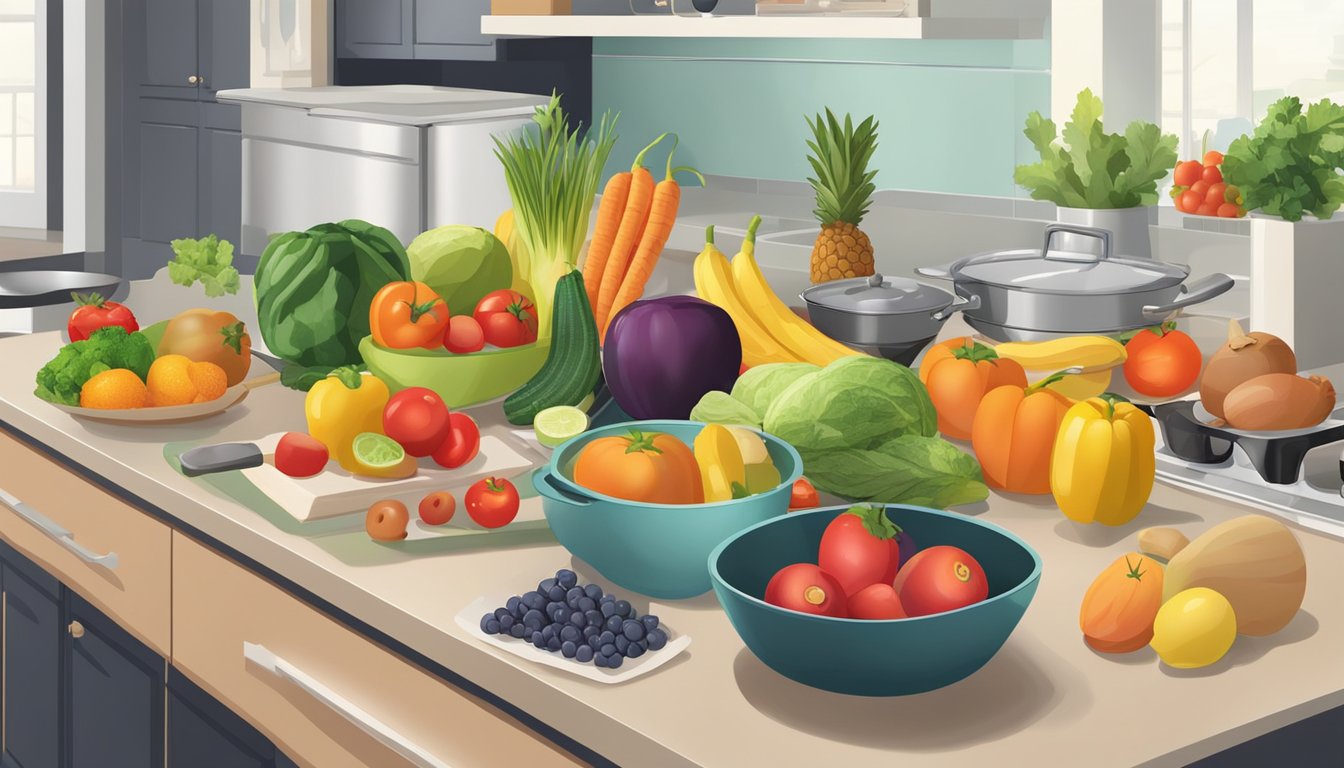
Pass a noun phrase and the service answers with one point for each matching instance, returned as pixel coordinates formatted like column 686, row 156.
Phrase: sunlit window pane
column 1299, row 51
column 18, row 53
column 25, row 163
column 17, row 7
column 6, row 162
column 6, row 114
column 23, row 114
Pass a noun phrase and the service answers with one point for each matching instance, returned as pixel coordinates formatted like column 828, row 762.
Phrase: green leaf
column 717, row 407
column 209, row 260
column 910, row 469
column 1290, row 164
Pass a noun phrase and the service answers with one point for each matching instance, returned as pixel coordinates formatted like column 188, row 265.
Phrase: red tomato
column 1229, row 211
column 859, row 548
column 94, row 313
column 1162, row 364
column 1211, row 175
column 417, row 418
column 1213, row 157
column 1200, row 188
column 804, row 496
column 940, row 579
column 1189, row 201
column 507, row 318
column 806, row 588
column 437, row 508
column 1187, row 173
column 1207, row 209
column 300, row 455
column 1216, row 193
column 876, row 601
column 461, row 445
column 492, row 502
column 464, row 335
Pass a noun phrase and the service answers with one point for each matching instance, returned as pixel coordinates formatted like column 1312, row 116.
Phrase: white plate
column 161, row 414
column 469, row 619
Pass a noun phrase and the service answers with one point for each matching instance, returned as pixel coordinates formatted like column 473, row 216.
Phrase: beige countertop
column 1045, row 699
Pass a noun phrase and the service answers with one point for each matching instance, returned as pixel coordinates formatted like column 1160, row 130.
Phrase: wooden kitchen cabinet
column 413, row 29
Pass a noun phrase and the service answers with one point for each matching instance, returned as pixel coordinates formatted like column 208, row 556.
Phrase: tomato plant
column 299, row 454
column 94, row 312
column 507, row 318
column 417, row 419
column 492, row 502
column 462, row 443
column 406, row 315
column 806, row 588
column 1162, row 361
column 859, row 548
column 939, row 579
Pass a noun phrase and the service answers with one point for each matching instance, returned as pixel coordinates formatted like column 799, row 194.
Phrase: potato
column 1243, row 357
column 1253, row 561
column 1279, row 401
column 1162, row 542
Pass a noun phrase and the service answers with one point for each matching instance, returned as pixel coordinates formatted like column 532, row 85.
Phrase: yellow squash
column 722, row 470
column 340, row 407
column 1102, row 466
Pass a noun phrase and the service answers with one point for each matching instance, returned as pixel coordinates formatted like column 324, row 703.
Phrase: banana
column 1091, row 353
column 714, row 283
column 764, row 304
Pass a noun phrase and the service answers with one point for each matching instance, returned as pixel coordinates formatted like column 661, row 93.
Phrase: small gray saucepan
column 897, row 316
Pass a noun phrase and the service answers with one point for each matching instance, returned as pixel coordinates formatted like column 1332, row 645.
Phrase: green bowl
column 894, row 657
column 461, row 380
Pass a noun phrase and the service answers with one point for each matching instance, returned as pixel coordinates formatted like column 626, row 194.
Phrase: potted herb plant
column 1289, row 172
column 1100, row 179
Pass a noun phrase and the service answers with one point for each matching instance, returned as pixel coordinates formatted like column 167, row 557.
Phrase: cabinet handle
column 264, row 658
column 56, row 532
column 76, row 630
column 193, row 80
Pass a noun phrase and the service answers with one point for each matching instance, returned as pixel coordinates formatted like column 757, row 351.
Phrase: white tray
column 469, row 619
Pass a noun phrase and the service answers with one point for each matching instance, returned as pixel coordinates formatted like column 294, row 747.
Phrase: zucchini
column 574, row 364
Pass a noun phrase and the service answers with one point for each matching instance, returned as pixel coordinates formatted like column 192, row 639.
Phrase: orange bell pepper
column 958, row 376
column 1014, row 434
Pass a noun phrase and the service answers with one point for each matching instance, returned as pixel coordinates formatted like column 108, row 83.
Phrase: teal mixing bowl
column 659, row 550
column 873, row 658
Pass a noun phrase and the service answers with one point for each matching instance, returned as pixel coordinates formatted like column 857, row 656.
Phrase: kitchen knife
column 220, row 458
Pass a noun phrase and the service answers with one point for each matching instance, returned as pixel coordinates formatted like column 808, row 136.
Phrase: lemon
column 1194, row 628
column 557, row 424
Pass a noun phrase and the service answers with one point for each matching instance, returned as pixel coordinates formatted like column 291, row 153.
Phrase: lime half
column 557, row 424
column 377, row 451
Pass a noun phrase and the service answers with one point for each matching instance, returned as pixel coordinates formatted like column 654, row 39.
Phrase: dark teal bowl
column 659, row 550
column 873, row 658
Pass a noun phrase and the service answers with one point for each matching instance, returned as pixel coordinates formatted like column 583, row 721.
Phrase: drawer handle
column 55, row 531
column 264, row 658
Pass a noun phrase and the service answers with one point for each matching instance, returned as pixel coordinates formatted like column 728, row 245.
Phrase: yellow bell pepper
column 721, row 467
column 1102, row 467
column 340, row 407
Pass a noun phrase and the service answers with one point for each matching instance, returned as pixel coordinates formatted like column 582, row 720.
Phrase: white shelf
column 851, row 27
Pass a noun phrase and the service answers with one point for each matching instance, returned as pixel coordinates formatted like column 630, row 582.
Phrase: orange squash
column 642, row 466
column 958, row 376
column 1120, row 606
column 1014, row 433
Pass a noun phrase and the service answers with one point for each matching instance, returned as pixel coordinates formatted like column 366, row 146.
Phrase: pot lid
column 878, row 295
column 1068, row 272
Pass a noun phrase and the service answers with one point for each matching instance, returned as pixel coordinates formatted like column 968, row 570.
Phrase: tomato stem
column 233, row 336
column 88, row 299
column 420, row 310
column 640, row 442
column 494, row 484
column 1134, row 572
column 975, row 352
column 875, row 520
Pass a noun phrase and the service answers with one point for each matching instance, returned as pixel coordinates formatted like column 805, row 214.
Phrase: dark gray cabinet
column 412, row 29
column 32, row 681
column 203, row 733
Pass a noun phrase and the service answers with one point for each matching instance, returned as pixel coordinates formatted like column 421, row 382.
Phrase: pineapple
column 844, row 188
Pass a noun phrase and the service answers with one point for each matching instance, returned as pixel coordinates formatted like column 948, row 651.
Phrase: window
column 18, row 94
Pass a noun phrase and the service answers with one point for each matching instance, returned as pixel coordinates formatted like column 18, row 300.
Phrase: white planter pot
column 1128, row 228
column 1297, row 286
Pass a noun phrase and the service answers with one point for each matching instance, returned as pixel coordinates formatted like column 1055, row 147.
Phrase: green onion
column 553, row 173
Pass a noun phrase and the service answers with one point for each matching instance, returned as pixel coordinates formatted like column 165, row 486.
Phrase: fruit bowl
column 873, row 658
column 461, row 380
column 659, row 550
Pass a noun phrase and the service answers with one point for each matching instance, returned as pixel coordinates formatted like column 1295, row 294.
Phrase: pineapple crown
column 839, row 157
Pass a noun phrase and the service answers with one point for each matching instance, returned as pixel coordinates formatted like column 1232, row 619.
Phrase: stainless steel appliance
column 897, row 317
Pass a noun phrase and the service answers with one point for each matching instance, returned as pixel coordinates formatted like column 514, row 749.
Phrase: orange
column 170, row 382
column 209, row 379
column 116, row 388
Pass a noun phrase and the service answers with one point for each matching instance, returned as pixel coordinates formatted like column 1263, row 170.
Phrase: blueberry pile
column 577, row 620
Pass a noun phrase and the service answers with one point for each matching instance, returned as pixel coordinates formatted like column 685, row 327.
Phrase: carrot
column 662, row 216
column 614, row 199
column 627, row 237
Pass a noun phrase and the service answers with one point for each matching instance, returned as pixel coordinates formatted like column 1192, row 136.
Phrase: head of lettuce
column 313, row 292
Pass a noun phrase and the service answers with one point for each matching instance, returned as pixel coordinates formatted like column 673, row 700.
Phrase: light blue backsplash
column 950, row 112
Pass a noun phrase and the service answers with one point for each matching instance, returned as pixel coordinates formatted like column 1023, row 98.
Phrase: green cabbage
column 313, row 292
column 461, row 263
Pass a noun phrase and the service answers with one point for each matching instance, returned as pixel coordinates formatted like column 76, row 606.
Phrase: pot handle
column 1200, row 290
column 938, row 273
column 545, row 484
column 1104, row 235
column 959, row 304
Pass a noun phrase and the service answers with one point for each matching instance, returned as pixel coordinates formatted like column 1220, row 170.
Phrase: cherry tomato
column 464, row 335
column 507, row 318
column 1200, row 188
column 437, row 508
column 804, row 496
column 859, row 548
column 1213, row 157
column 94, row 312
column 1217, row 194
column 940, row 579
column 300, row 455
column 461, row 445
column 1163, row 363
column 1229, row 210
column 1207, row 209
column 1189, row 201
column 806, row 588
column 492, row 502
column 405, row 315
column 417, row 418
column 1187, row 173
column 876, row 601
column 1211, row 175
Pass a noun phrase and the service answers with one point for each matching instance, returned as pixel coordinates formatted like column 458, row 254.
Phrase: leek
column 552, row 173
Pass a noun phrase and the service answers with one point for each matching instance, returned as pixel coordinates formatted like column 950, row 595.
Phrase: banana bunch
column 770, row 331
column 1096, row 356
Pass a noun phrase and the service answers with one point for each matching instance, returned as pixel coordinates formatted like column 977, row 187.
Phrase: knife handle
column 220, row 458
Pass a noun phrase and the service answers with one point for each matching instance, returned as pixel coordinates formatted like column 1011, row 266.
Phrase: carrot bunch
column 634, row 221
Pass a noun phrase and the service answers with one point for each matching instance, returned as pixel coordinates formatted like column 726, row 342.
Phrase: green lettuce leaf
column 722, row 408
column 761, row 386
column 1289, row 166
column 209, row 260
column 910, row 469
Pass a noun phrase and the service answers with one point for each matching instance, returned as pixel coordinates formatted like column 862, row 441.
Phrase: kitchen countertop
column 1045, row 699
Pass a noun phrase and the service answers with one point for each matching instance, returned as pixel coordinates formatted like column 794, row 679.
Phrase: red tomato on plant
column 859, row 548
column 464, row 335
column 940, row 579
column 417, row 419
column 804, row 496
column 1187, row 173
column 1212, row 157
column 300, row 455
column 492, row 502
column 406, row 315
column 507, row 318
column 94, row 312
column 1162, row 362
column 461, row 445
column 806, row 588
column 876, row 601
column 1189, row 201
column 1211, row 175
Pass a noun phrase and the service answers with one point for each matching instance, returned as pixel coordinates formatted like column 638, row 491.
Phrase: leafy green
column 855, row 402
column 61, row 379
column 909, row 469
column 209, row 260
column 1092, row 168
column 722, row 408
column 761, row 386
column 1290, row 165
column 461, row 263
